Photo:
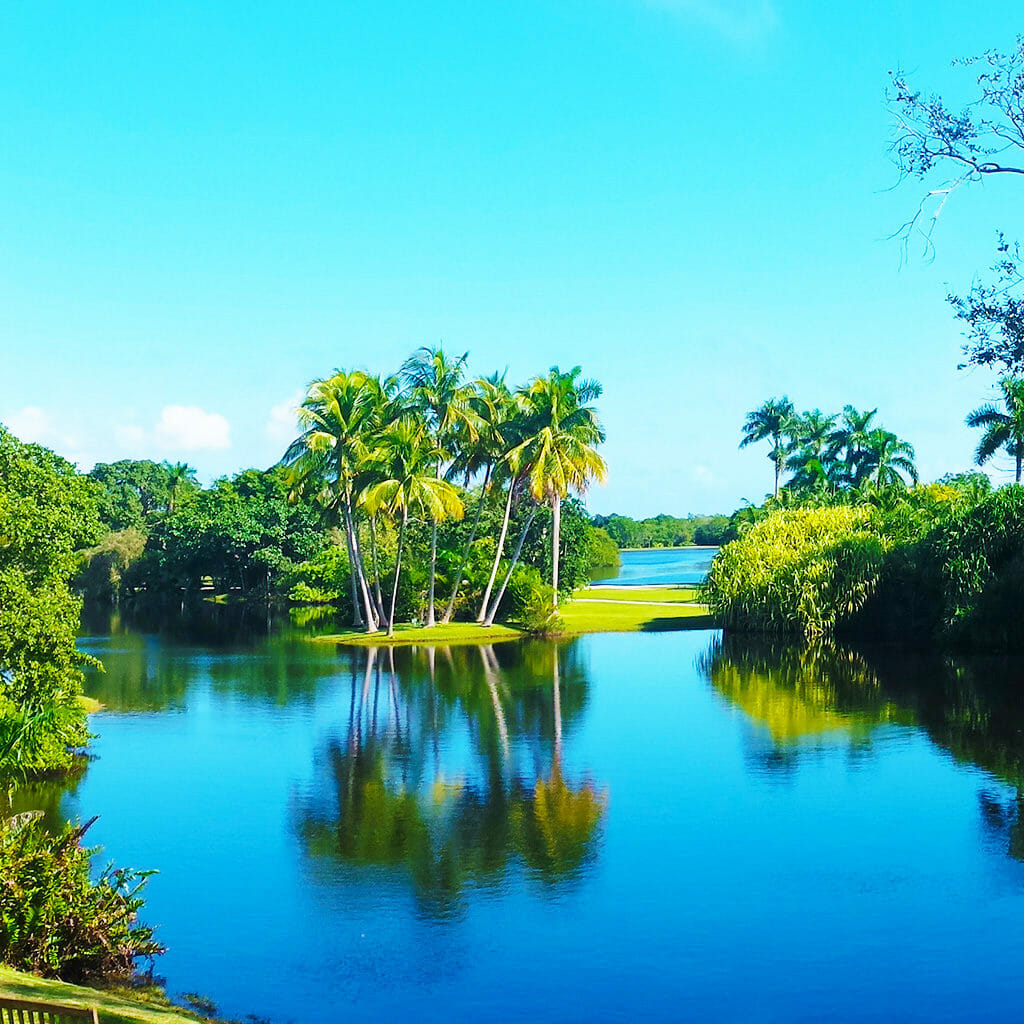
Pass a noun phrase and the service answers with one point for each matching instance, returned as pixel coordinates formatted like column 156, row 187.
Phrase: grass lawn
column 620, row 617
column 113, row 1007
column 658, row 594
column 452, row 634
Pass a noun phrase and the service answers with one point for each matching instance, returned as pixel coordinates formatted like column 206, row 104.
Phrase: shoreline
column 679, row 547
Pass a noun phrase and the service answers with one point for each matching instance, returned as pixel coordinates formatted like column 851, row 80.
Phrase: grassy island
column 617, row 609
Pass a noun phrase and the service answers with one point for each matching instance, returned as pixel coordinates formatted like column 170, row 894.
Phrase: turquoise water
column 661, row 566
column 654, row 827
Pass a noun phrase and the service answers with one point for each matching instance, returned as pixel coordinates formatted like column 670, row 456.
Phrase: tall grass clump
column 801, row 571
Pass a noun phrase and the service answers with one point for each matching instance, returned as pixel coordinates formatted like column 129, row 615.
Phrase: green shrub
column 323, row 579
column 942, row 562
column 975, row 558
column 531, row 602
column 603, row 551
column 54, row 920
column 798, row 571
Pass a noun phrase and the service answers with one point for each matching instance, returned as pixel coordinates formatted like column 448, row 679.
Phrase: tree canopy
column 47, row 512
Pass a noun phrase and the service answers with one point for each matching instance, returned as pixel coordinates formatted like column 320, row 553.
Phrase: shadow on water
column 800, row 698
column 387, row 796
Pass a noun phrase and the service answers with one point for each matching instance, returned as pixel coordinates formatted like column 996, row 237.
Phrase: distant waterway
column 650, row 567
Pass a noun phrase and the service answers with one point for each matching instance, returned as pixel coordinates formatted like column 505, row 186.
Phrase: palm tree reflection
column 433, row 780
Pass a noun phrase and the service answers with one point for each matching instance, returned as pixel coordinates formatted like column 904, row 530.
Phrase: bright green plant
column 798, row 571
column 54, row 919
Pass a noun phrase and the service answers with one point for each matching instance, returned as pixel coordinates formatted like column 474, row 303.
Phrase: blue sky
column 205, row 206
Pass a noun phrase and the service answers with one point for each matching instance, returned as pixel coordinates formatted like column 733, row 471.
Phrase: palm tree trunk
column 497, row 554
column 357, row 561
column 357, row 615
column 1020, row 459
column 489, row 621
column 433, row 565
column 450, row 607
column 398, row 569
column 378, row 598
column 556, row 529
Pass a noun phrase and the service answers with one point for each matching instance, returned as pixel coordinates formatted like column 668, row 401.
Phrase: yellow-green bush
column 799, row 571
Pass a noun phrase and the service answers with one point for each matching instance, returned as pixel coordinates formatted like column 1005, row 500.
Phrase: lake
column 654, row 827
column 660, row 566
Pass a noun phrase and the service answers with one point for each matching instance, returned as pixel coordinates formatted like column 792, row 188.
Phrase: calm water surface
column 660, row 566
column 626, row 827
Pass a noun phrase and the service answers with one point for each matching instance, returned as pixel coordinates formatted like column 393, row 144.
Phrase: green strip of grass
column 453, row 634
column 620, row 617
column 659, row 594
column 113, row 1007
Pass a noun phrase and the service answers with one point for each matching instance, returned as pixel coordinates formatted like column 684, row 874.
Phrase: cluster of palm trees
column 398, row 447
column 829, row 453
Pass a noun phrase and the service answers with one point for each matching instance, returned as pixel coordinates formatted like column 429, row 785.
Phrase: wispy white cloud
column 740, row 21
column 36, row 426
column 282, row 423
column 187, row 428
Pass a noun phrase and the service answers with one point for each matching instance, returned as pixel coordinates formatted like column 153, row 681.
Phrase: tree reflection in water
column 450, row 772
column 970, row 706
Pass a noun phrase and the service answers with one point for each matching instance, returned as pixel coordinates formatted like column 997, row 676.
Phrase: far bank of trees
column 663, row 531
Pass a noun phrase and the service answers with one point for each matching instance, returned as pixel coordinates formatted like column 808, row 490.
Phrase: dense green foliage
column 47, row 511
column 133, row 492
column 663, row 531
column 797, row 570
column 55, row 920
column 368, row 510
column 241, row 535
column 941, row 563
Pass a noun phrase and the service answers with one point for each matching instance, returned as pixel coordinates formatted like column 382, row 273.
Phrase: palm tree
column 558, row 453
column 770, row 422
column 181, row 480
column 1003, row 430
column 848, row 442
column 809, row 460
column 479, row 451
column 341, row 417
column 406, row 459
column 434, row 383
column 886, row 458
